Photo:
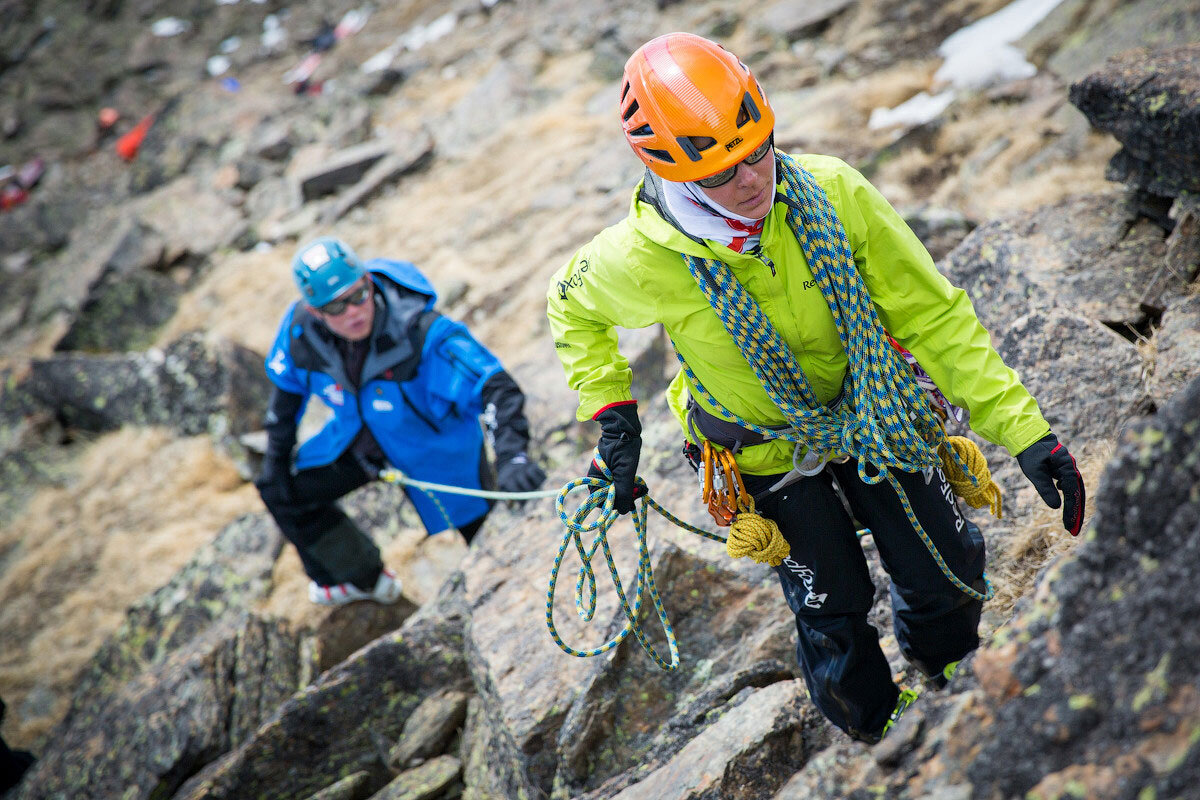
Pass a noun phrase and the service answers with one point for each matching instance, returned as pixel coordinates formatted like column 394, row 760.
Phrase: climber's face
column 749, row 191
column 352, row 314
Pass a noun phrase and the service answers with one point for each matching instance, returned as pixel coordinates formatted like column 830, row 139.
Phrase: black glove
column 274, row 482
column 519, row 474
column 620, row 446
column 1047, row 464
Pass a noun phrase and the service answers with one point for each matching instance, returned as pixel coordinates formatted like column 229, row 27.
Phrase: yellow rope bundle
column 752, row 534
column 977, row 493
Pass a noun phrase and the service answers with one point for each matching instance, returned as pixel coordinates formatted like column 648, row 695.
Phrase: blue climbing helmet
column 324, row 268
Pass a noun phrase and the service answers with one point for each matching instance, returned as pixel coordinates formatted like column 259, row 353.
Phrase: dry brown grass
column 241, row 298
column 140, row 505
column 1040, row 538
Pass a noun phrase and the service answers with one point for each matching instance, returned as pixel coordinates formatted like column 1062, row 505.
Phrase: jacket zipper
column 413, row 406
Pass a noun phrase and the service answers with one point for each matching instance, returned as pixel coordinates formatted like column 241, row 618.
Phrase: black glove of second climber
column 1047, row 463
column 519, row 474
column 620, row 446
column 274, row 482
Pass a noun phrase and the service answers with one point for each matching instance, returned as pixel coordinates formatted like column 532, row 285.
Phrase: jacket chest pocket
column 399, row 406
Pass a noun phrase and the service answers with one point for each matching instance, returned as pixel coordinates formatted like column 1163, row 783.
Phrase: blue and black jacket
column 425, row 382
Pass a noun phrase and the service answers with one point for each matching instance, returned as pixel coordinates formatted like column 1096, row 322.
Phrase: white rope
column 392, row 475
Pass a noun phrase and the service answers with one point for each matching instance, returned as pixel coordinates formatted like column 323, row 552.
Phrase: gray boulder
column 1150, row 101
column 1176, row 348
column 356, row 786
column 431, row 780
column 188, row 676
column 795, row 21
column 1128, row 598
column 197, row 385
column 1054, row 288
column 1086, row 378
column 430, row 728
column 130, row 300
column 748, row 752
column 631, row 717
column 338, row 724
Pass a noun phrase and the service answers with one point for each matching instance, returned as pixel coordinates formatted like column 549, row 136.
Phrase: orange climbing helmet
column 690, row 108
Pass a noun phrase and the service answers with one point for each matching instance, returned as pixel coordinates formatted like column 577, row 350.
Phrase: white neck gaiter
column 700, row 216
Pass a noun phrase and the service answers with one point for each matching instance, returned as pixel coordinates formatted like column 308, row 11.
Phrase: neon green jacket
column 631, row 275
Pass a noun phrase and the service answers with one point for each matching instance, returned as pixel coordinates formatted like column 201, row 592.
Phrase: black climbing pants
column 13, row 763
column 828, row 587
column 332, row 548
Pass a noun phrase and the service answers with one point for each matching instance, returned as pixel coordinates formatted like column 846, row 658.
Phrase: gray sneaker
column 387, row 591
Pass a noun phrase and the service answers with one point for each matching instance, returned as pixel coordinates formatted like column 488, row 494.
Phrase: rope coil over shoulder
column 885, row 421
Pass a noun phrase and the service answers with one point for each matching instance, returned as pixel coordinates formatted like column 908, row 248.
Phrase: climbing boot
column 906, row 699
column 943, row 678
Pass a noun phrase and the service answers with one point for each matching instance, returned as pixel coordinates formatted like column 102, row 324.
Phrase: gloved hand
column 1047, row 464
column 620, row 446
column 274, row 482
column 519, row 474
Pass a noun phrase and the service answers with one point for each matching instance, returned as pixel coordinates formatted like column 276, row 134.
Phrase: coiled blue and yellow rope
column 577, row 527
column 885, row 420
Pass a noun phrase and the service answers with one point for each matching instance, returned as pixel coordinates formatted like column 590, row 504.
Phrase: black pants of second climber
column 332, row 548
column 828, row 586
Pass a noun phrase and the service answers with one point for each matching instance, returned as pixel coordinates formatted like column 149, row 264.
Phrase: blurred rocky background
column 160, row 159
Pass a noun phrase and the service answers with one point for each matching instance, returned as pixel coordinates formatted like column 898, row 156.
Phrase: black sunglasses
column 339, row 306
column 726, row 175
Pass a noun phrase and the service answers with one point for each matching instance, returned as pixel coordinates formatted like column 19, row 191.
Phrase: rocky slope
column 155, row 639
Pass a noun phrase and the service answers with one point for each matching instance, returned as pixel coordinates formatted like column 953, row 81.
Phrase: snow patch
column 982, row 54
column 916, row 110
column 975, row 57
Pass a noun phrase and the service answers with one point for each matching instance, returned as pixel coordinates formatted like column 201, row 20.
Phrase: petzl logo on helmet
column 733, row 143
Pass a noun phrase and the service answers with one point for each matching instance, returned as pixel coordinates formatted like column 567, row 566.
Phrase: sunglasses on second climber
column 726, row 175
column 355, row 298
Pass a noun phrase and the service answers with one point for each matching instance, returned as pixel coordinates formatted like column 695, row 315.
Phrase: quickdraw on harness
column 885, row 420
column 731, row 506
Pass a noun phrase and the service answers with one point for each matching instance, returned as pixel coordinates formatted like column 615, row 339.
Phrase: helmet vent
column 693, row 145
column 624, row 91
column 642, row 130
column 630, row 111
column 661, row 155
column 748, row 111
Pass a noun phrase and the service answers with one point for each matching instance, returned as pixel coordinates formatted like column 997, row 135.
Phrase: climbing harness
column 602, row 498
column 885, row 420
